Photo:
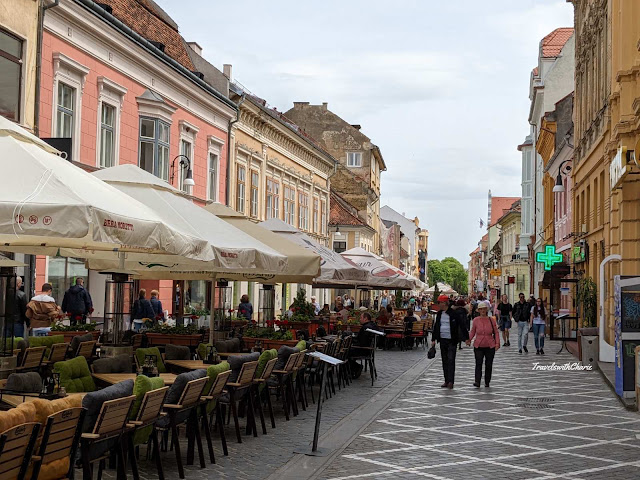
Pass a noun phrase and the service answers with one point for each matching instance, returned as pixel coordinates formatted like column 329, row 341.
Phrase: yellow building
column 514, row 269
column 607, row 126
column 276, row 171
column 18, row 54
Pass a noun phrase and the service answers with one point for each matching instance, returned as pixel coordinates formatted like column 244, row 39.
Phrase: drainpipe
column 231, row 124
column 607, row 351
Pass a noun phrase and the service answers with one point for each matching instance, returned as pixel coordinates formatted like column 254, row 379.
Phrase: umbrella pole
column 211, row 310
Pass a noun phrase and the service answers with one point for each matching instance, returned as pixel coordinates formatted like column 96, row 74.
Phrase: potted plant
column 268, row 336
column 70, row 331
column 188, row 335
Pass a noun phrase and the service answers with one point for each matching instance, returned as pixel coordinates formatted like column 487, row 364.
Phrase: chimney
column 226, row 70
column 195, row 47
column 324, row 105
column 300, row 105
column 357, row 127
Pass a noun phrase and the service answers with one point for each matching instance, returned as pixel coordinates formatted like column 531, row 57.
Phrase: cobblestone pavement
column 257, row 458
column 528, row 424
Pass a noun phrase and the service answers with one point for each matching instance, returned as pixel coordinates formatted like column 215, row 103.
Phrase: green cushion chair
column 142, row 385
column 75, row 375
column 262, row 362
column 202, row 351
column 212, row 373
column 141, row 352
column 45, row 341
column 7, row 345
column 301, row 345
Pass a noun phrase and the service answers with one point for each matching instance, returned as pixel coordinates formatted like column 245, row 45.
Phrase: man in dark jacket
column 21, row 304
column 77, row 302
column 449, row 329
column 362, row 345
column 521, row 315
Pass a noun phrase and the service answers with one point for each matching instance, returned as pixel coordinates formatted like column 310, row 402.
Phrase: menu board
column 630, row 309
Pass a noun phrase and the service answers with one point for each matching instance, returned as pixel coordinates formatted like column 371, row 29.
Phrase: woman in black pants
column 487, row 341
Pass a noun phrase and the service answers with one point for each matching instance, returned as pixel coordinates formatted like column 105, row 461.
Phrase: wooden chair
column 32, row 358
column 86, row 350
column 284, row 387
column 149, row 413
column 16, row 447
column 60, row 439
column 297, row 379
column 259, row 387
column 418, row 332
column 213, row 397
column 58, row 352
column 367, row 354
column 238, row 390
column 110, row 425
column 186, row 410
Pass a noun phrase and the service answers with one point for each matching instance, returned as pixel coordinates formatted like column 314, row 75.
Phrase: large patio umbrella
column 49, row 206
column 334, row 269
column 381, row 273
column 231, row 249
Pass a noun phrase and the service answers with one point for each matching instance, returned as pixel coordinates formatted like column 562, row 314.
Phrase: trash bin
column 589, row 348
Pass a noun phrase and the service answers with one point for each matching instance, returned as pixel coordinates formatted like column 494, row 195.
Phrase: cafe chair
column 32, row 359
column 16, row 448
column 58, row 352
column 259, row 384
column 239, row 390
column 210, row 405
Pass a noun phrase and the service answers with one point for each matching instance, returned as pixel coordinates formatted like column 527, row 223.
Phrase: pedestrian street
column 530, row 424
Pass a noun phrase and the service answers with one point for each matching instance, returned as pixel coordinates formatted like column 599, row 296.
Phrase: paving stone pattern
column 530, row 424
column 257, row 458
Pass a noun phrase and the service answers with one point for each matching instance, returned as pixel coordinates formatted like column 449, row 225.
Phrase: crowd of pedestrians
column 476, row 320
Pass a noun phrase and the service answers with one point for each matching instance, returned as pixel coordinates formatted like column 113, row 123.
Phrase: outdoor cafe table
column 113, row 378
column 15, row 400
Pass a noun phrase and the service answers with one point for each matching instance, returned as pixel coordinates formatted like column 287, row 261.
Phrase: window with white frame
column 68, row 84
column 255, row 178
column 316, row 214
column 241, row 182
column 213, row 177
column 10, row 76
column 354, row 159
column 107, row 135
column 110, row 101
column 154, row 147
column 186, row 150
column 289, row 205
column 273, row 198
column 303, row 211
column 323, row 217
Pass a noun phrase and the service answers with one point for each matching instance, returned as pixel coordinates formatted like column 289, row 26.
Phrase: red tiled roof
column 340, row 215
column 403, row 253
column 477, row 250
column 552, row 44
column 499, row 205
column 150, row 21
column 535, row 71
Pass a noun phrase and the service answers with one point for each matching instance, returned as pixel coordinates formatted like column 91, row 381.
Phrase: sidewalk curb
column 340, row 436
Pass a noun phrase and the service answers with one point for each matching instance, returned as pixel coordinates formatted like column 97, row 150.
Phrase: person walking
column 461, row 311
column 21, row 314
column 448, row 331
column 538, row 323
column 520, row 314
column 157, row 305
column 505, row 310
column 486, row 343
column 245, row 308
column 42, row 311
column 142, row 309
column 77, row 302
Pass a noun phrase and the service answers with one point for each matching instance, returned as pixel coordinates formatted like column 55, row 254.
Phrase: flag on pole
column 481, row 223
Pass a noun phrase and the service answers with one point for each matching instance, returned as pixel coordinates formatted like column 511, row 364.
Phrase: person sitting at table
column 344, row 314
column 383, row 316
column 408, row 326
column 325, row 310
column 361, row 343
column 337, row 306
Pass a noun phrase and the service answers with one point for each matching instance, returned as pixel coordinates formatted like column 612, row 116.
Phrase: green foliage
column 303, row 311
column 449, row 271
column 198, row 312
column 268, row 333
column 587, row 296
column 398, row 298
column 81, row 327
column 177, row 330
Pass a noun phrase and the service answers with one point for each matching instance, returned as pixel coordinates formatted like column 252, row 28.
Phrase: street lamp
column 559, row 186
column 184, row 163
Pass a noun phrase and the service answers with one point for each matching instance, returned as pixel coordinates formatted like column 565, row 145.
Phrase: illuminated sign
column 549, row 257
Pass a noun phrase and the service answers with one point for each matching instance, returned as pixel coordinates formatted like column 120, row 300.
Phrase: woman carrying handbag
column 487, row 341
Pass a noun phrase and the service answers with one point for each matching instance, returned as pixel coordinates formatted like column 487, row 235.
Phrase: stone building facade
column 360, row 162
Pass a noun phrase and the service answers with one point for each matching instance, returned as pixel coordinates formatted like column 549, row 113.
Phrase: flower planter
column 249, row 342
column 160, row 339
column 68, row 336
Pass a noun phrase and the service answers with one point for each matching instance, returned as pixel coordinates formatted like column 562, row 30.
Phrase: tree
column 449, row 271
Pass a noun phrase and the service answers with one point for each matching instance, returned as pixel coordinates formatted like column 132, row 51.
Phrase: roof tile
column 340, row 215
column 552, row 44
column 499, row 205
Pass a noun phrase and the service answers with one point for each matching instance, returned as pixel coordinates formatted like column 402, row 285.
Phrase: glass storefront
column 62, row 273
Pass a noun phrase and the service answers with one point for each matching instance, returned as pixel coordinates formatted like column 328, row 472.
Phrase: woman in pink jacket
column 487, row 341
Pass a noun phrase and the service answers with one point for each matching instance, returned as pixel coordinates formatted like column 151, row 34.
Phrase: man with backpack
column 77, row 302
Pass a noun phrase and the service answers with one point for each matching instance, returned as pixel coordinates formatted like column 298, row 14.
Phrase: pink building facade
column 122, row 102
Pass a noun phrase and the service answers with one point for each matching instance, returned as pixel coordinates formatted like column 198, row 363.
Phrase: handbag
column 432, row 352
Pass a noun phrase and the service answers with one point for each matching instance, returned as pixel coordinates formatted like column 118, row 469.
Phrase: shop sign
column 549, row 257
column 495, row 273
column 618, row 168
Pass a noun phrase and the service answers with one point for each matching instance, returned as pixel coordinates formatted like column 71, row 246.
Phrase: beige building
column 514, row 269
column 18, row 53
column 360, row 162
column 347, row 230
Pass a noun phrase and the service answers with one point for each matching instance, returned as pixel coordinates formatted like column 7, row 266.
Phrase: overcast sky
column 441, row 87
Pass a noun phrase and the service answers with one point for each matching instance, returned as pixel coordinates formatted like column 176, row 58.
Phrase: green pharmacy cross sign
column 549, row 257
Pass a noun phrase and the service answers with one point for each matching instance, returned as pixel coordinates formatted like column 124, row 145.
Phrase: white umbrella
column 381, row 273
column 231, row 249
column 49, row 206
column 334, row 269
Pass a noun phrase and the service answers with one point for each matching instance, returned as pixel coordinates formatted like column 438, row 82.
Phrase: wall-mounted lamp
column 184, row 163
column 559, row 186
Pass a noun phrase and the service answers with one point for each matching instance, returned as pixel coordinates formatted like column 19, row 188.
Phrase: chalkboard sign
column 630, row 310
column 629, row 364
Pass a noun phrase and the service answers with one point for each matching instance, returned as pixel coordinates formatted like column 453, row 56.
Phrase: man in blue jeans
column 521, row 315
